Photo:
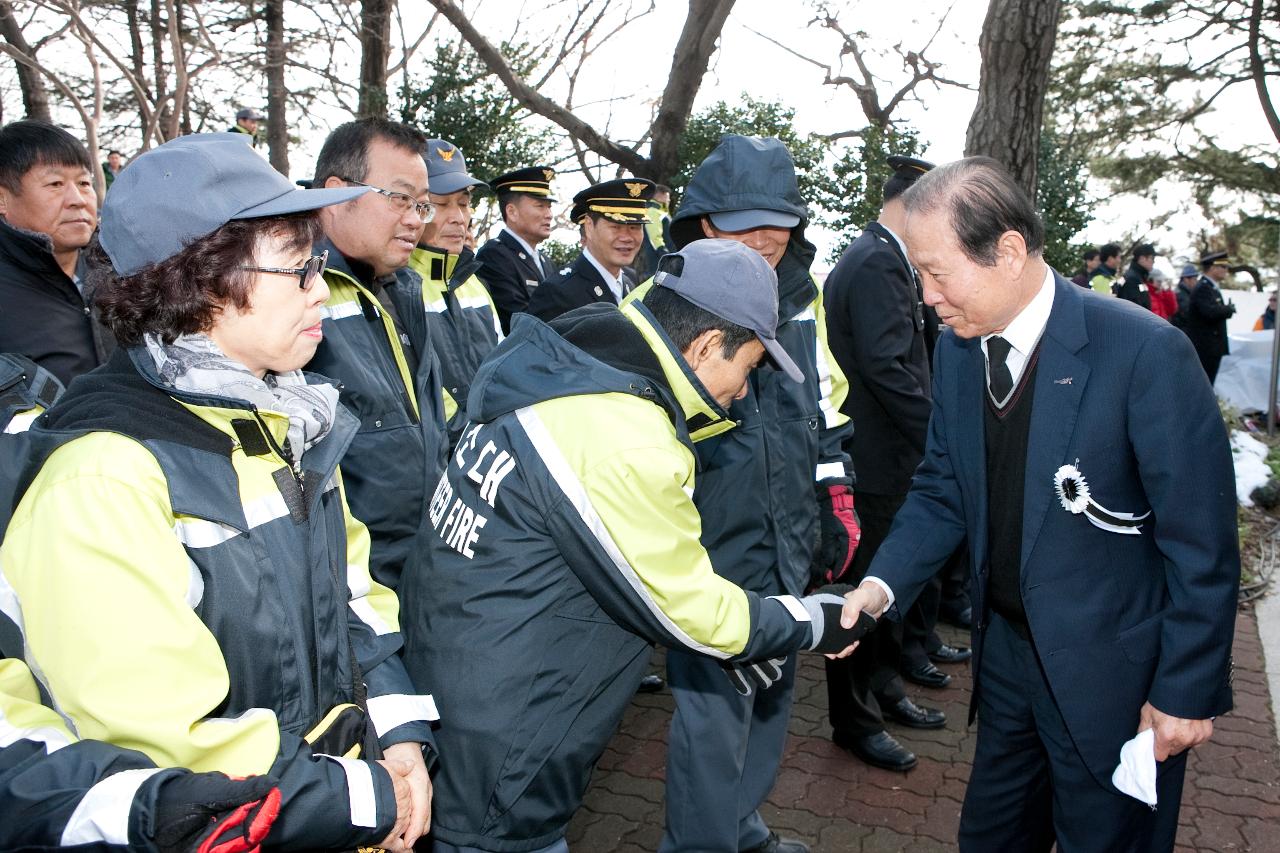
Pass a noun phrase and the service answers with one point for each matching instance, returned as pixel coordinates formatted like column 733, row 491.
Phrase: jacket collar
column 31, row 251
column 442, row 270
column 703, row 416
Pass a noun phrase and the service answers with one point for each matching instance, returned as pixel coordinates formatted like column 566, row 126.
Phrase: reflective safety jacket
column 463, row 324
column 756, row 484
column 563, row 541
column 26, row 390
column 178, row 588
column 390, row 379
column 56, row 791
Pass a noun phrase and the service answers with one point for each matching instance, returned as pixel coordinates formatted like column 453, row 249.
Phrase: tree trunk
column 159, row 32
column 375, row 51
column 35, row 98
column 702, row 27
column 136, row 58
column 277, row 121
column 1016, row 47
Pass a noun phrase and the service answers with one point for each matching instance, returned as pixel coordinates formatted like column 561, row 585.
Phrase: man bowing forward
column 1105, row 556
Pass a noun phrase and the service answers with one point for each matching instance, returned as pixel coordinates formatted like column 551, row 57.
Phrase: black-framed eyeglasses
column 307, row 273
column 401, row 202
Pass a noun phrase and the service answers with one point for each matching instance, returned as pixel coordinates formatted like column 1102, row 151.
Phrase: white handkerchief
column 1136, row 773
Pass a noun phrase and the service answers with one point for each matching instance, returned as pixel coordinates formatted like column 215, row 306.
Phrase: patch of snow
column 1251, row 465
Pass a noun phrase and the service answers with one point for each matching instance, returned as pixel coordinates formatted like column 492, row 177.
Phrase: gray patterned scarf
column 194, row 363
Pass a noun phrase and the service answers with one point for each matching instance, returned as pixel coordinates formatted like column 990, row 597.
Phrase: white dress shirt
column 615, row 282
column 537, row 260
column 1022, row 333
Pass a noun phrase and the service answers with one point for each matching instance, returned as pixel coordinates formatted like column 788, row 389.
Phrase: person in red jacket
column 1164, row 302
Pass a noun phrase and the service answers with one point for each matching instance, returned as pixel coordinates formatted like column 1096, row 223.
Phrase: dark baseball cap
column 447, row 168
column 190, row 187
column 249, row 112
column 733, row 282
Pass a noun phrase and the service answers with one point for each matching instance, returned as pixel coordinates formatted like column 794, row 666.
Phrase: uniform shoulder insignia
column 565, row 271
column 635, row 188
column 598, row 291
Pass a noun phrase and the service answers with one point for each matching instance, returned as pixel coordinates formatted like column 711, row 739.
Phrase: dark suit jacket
column 510, row 274
column 876, row 330
column 576, row 285
column 1116, row 619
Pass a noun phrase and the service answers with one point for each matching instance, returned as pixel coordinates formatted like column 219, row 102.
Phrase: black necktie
column 1001, row 379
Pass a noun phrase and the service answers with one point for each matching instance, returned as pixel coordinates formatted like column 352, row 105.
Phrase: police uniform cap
column 908, row 167
column 624, row 200
column 1215, row 258
column 532, row 180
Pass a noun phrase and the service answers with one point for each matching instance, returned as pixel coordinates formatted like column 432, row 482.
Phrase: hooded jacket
column 463, row 323
column 1135, row 287
column 563, row 541
column 43, row 315
column 178, row 589
column 390, row 380
column 756, row 483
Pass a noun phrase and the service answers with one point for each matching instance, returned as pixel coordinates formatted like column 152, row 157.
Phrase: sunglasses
column 307, row 273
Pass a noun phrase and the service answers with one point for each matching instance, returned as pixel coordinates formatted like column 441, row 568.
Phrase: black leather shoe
column 926, row 675
column 651, row 684
column 950, row 654
column 912, row 715
column 959, row 618
column 878, row 750
column 774, row 844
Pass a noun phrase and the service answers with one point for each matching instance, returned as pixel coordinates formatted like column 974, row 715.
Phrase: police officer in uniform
column 510, row 264
column 879, row 334
column 1207, row 313
column 611, row 218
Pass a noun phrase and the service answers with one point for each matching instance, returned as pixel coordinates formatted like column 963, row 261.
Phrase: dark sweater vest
column 1007, row 431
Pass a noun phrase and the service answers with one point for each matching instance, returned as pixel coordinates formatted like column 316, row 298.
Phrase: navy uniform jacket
column 1117, row 619
column 1206, row 320
column 510, row 274
column 576, row 285
column 876, row 329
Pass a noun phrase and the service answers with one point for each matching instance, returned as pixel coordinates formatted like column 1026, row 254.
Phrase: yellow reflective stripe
column 626, row 211
column 625, row 492
column 833, row 384
column 341, row 286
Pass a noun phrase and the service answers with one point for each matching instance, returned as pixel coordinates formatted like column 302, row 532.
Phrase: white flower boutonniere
column 1073, row 493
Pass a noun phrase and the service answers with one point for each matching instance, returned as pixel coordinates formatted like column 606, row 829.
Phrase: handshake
column 825, row 607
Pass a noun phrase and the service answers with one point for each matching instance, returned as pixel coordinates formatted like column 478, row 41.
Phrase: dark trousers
column 1210, row 361
column 1029, row 785
column 858, row 684
column 723, row 754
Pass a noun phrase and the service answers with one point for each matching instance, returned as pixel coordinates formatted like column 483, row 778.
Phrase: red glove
column 213, row 813
column 839, row 534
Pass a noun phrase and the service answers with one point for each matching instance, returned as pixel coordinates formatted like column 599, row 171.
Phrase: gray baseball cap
column 733, row 282
column 1190, row 271
column 745, row 220
column 447, row 168
column 249, row 112
column 190, row 187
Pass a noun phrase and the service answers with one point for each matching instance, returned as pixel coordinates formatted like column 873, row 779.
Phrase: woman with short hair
column 182, row 571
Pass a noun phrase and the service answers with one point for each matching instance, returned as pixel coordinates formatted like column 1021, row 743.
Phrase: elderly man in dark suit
column 1105, row 557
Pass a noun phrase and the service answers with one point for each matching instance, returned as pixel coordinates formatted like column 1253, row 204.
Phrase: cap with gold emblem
column 1214, row 259
column 625, row 200
column 447, row 168
column 534, row 181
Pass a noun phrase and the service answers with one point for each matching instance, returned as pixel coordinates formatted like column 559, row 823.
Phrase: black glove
column 749, row 676
column 839, row 533
column 213, row 813
column 824, row 606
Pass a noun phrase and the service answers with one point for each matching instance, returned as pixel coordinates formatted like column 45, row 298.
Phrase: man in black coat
column 48, row 211
column 611, row 218
column 510, row 264
column 1207, row 313
column 1136, row 278
column 879, row 334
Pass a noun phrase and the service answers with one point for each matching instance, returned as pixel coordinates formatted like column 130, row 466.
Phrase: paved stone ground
column 836, row 803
